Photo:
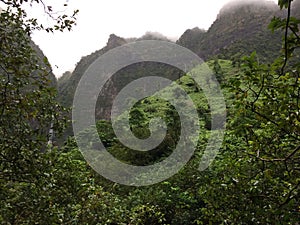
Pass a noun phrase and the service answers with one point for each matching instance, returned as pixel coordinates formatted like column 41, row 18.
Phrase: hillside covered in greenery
column 240, row 29
column 252, row 49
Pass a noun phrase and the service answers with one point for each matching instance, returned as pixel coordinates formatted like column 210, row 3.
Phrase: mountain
column 191, row 38
column 153, row 36
column 68, row 82
column 241, row 27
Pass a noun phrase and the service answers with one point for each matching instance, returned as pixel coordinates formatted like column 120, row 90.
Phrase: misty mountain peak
column 153, row 36
column 250, row 5
column 115, row 41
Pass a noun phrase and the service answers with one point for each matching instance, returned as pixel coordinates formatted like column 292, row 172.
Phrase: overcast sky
column 98, row 19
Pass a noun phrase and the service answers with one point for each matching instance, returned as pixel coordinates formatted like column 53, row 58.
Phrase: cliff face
column 66, row 89
column 191, row 38
column 68, row 82
column 240, row 28
column 114, row 41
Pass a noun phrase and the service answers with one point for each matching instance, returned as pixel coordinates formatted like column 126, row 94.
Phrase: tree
column 27, row 108
column 258, row 171
column 17, row 12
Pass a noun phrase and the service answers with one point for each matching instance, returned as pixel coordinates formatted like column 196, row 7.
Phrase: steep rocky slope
column 241, row 27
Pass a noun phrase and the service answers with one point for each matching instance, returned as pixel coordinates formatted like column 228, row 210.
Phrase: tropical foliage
column 255, row 179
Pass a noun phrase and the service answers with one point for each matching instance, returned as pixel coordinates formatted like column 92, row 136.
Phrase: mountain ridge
column 233, row 34
column 239, row 29
column 224, row 38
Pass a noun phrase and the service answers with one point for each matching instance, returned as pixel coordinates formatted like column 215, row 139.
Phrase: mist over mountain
column 234, row 5
column 241, row 27
column 153, row 36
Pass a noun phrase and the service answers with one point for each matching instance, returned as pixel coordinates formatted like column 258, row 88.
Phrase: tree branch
column 278, row 160
column 286, row 38
column 289, row 198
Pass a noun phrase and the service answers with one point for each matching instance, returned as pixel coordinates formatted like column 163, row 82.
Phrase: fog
column 238, row 3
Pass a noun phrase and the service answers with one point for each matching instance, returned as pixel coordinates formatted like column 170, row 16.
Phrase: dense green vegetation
column 255, row 178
